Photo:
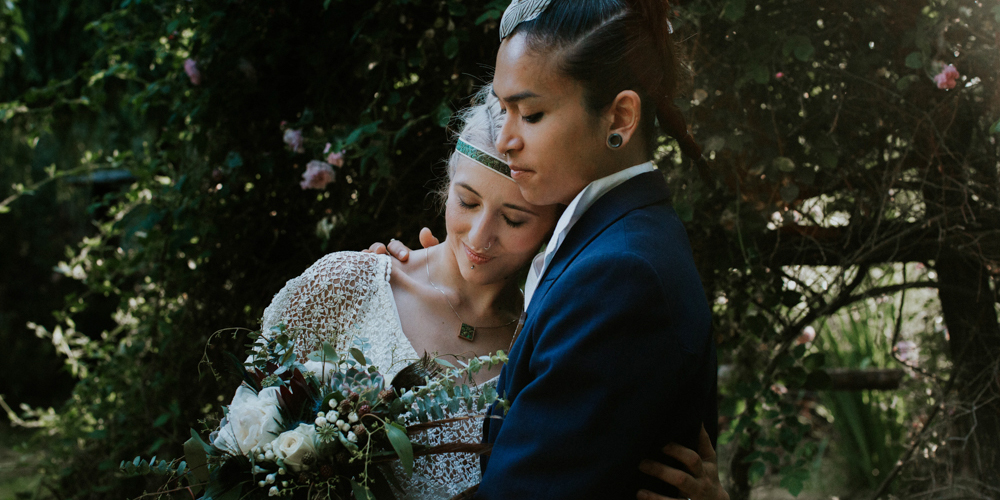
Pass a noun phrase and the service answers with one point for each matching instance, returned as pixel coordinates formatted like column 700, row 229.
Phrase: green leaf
column 784, row 164
column 756, row 472
column 196, row 459
column 401, row 443
column 734, row 10
column 789, row 193
column 995, row 129
column 162, row 419
column 457, row 9
column 361, row 492
column 915, row 60
column 793, row 483
column 443, row 362
column 450, row 47
column 358, row 356
column 443, row 115
column 800, row 46
column 904, row 83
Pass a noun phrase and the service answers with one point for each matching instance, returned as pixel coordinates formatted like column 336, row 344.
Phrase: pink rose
column 317, row 175
column 947, row 77
column 336, row 158
column 808, row 335
column 294, row 140
column 191, row 68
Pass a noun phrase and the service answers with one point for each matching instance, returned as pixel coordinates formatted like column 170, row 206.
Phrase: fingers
column 376, row 248
column 427, row 238
column 682, row 480
column 398, row 250
column 705, row 447
column 686, row 456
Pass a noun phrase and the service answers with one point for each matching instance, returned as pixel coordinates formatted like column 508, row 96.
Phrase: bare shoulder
column 405, row 274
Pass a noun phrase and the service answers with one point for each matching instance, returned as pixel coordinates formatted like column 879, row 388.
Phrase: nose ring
column 488, row 246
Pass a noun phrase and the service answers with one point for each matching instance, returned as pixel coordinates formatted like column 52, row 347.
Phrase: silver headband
column 518, row 12
column 483, row 158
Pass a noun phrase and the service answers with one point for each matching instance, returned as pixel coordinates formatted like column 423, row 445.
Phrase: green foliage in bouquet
column 318, row 429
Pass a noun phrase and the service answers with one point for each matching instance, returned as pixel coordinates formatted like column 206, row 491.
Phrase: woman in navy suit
column 616, row 354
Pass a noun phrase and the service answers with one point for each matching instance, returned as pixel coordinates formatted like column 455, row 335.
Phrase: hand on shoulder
column 399, row 250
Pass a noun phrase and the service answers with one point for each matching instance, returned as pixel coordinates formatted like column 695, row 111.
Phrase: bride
column 459, row 299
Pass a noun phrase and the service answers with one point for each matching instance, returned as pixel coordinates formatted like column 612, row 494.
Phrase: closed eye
column 465, row 205
column 512, row 223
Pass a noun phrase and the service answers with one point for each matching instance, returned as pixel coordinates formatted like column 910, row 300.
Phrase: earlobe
column 626, row 114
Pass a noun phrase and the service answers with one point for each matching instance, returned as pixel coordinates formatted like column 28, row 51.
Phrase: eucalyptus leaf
column 401, row 443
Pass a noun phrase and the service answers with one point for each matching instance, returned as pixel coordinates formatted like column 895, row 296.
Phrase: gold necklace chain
column 466, row 331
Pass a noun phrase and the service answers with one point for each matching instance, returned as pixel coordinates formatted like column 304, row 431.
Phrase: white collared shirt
column 576, row 208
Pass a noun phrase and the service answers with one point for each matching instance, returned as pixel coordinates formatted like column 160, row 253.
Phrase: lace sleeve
column 330, row 300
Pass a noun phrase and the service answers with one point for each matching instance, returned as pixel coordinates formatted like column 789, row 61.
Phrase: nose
column 509, row 140
column 482, row 233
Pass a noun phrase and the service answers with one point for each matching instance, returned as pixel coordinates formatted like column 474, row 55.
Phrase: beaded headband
column 518, row 12
column 483, row 158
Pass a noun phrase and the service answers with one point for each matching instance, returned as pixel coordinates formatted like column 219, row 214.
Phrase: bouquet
column 319, row 429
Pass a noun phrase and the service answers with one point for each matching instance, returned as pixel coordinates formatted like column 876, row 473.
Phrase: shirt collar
column 576, row 208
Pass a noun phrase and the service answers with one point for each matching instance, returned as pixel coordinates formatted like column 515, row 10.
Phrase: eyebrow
column 508, row 205
column 520, row 96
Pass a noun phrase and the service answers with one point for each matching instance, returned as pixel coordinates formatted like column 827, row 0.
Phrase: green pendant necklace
column 466, row 331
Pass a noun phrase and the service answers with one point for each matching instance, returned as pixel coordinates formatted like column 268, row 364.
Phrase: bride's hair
column 478, row 125
column 608, row 46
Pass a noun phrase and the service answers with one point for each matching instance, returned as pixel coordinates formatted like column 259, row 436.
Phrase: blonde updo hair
column 478, row 125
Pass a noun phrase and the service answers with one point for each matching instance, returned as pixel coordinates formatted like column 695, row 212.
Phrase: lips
column 517, row 172
column 475, row 258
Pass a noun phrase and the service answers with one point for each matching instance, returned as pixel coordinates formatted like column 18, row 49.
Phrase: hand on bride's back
column 399, row 250
column 702, row 483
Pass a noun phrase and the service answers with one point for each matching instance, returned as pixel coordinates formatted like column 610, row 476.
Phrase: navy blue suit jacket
column 614, row 361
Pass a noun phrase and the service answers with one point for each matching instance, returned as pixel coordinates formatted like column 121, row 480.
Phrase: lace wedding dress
column 346, row 296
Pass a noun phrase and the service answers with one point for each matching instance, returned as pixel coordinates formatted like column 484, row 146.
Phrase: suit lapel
column 637, row 192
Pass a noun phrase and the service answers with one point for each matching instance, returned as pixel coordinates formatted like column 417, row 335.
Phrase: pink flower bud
column 191, row 68
column 779, row 75
column 947, row 77
column 317, row 175
column 336, row 158
column 293, row 138
column 808, row 335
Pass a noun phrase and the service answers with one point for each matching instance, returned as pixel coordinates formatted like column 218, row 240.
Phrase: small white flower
column 320, row 421
column 333, row 404
column 321, row 414
column 344, row 426
column 269, row 455
column 284, row 484
column 281, row 471
column 261, row 483
column 352, row 437
column 273, row 492
column 353, row 417
column 271, row 478
column 261, row 457
column 258, row 470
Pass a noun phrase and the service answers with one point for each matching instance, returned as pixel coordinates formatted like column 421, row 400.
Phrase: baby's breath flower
column 353, row 417
column 273, row 492
column 352, row 437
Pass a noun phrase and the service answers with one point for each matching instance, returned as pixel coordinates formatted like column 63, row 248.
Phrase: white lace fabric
column 346, row 296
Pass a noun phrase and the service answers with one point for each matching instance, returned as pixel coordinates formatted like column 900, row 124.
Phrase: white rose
column 293, row 446
column 324, row 371
column 253, row 421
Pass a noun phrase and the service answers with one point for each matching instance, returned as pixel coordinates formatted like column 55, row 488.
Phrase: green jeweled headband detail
column 483, row 158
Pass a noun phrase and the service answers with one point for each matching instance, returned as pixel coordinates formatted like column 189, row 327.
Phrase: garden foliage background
column 848, row 221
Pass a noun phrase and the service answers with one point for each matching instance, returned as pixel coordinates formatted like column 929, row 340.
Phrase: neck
column 474, row 302
column 615, row 161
